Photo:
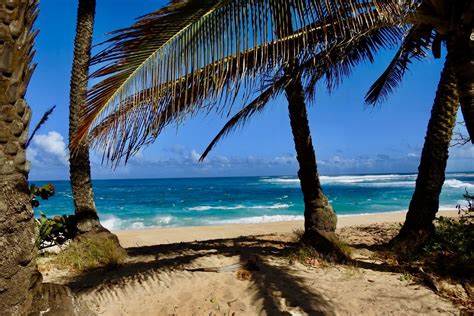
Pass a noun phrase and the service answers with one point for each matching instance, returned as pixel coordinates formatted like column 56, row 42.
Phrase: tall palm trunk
column 80, row 172
column 18, row 274
column 461, row 47
column 320, row 219
column 431, row 172
column 318, row 213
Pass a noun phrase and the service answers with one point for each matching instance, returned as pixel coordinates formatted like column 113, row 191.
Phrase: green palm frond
column 335, row 63
column 415, row 46
column 147, row 60
column 141, row 117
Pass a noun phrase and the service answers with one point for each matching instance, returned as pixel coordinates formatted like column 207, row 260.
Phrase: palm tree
column 19, row 277
column 79, row 164
column 156, row 74
column 435, row 22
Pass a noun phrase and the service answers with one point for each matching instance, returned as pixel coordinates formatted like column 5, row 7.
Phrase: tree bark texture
column 318, row 213
column 80, row 172
column 461, row 48
column 431, row 171
column 19, row 277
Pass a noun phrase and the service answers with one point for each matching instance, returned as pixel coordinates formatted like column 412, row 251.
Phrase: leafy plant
column 55, row 231
column 453, row 244
column 45, row 192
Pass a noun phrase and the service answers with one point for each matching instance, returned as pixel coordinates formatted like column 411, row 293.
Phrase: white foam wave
column 369, row 180
column 238, row 207
column 111, row 222
column 258, row 219
column 454, row 183
column 163, row 220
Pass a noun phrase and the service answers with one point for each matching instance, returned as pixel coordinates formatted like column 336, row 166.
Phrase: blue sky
column 348, row 136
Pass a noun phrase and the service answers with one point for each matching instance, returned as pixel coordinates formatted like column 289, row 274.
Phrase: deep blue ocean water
column 144, row 203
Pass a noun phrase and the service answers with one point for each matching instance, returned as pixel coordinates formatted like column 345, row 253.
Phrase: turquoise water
column 132, row 204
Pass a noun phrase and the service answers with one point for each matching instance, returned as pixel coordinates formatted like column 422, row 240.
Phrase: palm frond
column 329, row 63
column 414, row 47
column 40, row 123
column 149, row 57
column 254, row 107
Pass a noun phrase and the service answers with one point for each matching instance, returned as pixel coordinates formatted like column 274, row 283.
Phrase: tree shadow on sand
column 148, row 261
column 276, row 287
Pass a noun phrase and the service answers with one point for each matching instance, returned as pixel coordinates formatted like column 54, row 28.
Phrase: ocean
column 147, row 203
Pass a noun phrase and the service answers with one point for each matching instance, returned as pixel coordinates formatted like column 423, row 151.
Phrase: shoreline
column 169, row 235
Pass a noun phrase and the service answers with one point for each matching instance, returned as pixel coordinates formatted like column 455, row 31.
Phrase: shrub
column 55, row 231
column 453, row 243
column 89, row 254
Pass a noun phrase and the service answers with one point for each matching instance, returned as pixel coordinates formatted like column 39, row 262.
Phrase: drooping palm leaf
column 414, row 47
column 147, row 60
column 40, row 123
column 140, row 118
column 335, row 63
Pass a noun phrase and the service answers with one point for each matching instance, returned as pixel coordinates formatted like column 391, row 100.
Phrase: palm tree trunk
column 80, row 172
column 461, row 47
column 431, row 172
column 320, row 219
column 18, row 274
column 318, row 213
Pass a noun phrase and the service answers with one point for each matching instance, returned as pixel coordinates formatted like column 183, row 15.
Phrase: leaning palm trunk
column 461, row 47
column 18, row 274
column 431, row 172
column 80, row 171
column 320, row 219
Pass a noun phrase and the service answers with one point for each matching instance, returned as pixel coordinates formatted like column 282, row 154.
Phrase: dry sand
column 156, row 281
column 155, row 236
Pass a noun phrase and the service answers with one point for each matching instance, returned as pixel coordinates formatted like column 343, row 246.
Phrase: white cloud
column 51, row 144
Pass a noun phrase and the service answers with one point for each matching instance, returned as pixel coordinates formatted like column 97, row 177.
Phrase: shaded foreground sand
column 155, row 279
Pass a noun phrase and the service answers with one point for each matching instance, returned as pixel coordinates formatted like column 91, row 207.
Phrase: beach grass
column 90, row 254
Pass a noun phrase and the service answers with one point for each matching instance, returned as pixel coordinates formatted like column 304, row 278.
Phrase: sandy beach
column 147, row 237
column 159, row 276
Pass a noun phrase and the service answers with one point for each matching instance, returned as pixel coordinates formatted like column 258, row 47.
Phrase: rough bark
column 19, row 277
column 431, row 172
column 461, row 47
column 80, row 172
column 320, row 219
column 318, row 213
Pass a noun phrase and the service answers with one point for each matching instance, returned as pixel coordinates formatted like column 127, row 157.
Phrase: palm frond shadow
column 275, row 286
column 174, row 256
column 292, row 289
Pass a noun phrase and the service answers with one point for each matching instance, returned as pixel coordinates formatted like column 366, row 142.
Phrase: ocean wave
column 390, row 180
column 258, row 219
column 112, row 222
column 163, row 220
column 454, row 183
column 237, row 207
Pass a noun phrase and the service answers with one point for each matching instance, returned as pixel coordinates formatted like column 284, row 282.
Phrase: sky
column 349, row 137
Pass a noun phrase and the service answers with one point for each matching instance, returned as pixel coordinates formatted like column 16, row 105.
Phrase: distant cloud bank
column 49, row 158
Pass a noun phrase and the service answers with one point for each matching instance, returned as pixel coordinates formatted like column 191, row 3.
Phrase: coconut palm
column 19, row 277
column 190, row 55
column 79, row 163
column 434, row 23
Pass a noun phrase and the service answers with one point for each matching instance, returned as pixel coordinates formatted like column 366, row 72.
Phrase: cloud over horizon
column 49, row 158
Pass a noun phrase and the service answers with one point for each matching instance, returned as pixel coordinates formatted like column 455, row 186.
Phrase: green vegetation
column 55, row 231
column 451, row 250
column 90, row 254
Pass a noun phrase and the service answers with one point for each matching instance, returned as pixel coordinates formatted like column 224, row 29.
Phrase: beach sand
column 156, row 279
column 154, row 236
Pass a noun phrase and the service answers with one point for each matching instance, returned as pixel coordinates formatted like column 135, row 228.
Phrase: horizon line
column 256, row 176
